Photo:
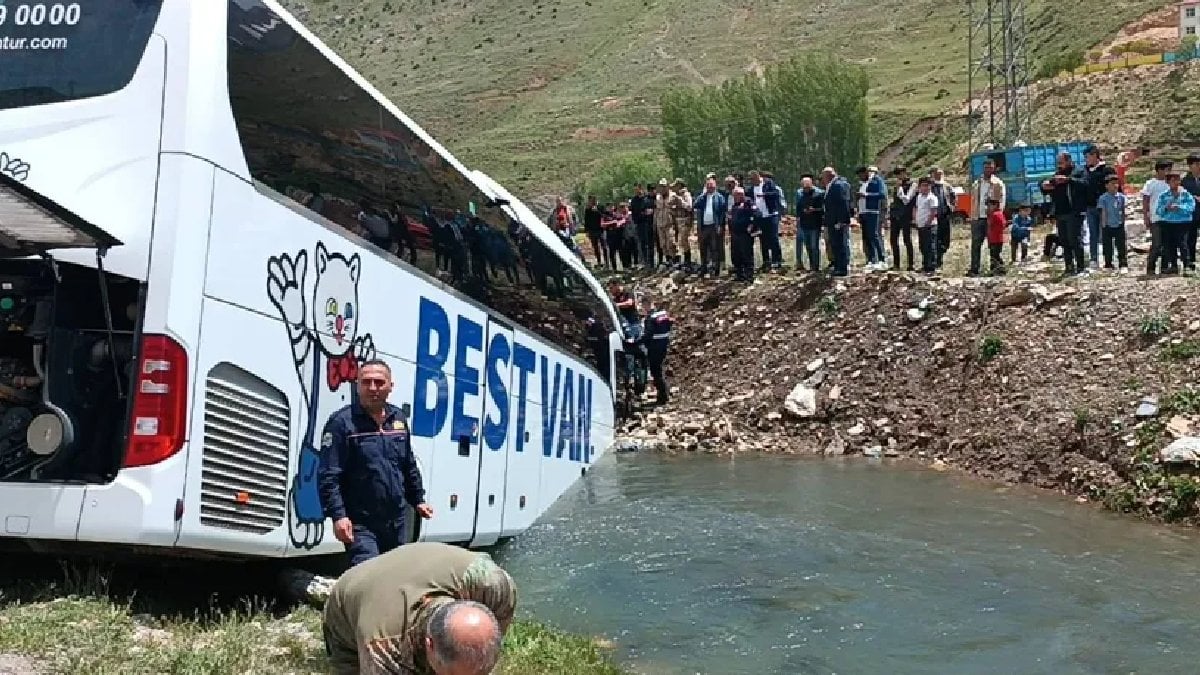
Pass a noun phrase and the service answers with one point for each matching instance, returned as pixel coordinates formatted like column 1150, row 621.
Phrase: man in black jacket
column 641, row 207
column 1097, row 178
column 1068, row 191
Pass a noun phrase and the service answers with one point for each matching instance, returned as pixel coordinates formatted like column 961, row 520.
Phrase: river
column 758, row 565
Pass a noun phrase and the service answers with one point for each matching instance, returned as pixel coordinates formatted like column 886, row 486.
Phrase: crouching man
column 421, row 609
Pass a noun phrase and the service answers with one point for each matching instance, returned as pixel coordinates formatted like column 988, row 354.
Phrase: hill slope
column 536, row 92
column 1136, row 109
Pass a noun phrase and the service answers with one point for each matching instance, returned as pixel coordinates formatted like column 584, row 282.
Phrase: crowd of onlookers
column 657, row 227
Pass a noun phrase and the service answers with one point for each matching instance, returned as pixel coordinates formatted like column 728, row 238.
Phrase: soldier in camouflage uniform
column 664, row 221
column 684, row 215
column 419, row 609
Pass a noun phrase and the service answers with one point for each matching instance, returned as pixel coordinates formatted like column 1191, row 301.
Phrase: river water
column 782, row 565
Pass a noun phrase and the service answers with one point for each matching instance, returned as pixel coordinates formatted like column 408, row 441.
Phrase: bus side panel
column 139, row 506
column 569, row 393
column 447, row 399
column 494, row 434
column 521, row 502
column 244, row 416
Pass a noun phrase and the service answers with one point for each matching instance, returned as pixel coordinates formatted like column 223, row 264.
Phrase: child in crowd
column 1022, row 230
column 996, row 225
column 1112, row 223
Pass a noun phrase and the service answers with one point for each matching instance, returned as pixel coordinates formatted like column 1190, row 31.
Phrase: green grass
column 86, row 622
column 508, row 85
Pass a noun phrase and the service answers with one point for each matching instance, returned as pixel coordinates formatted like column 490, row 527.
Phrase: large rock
column 1184, row 450
column 802, row 401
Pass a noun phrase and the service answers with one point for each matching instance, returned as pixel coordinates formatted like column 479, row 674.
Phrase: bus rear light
column 159, row 402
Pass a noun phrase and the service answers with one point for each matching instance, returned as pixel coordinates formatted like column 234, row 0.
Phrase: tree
column 797, row 117
column 616, row 177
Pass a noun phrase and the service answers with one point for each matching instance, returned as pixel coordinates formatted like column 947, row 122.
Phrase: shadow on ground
column 202, row 591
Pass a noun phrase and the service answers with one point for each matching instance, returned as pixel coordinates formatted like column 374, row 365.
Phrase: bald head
column 463, row 639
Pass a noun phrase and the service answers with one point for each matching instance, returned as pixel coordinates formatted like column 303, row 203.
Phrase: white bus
column 208, row 221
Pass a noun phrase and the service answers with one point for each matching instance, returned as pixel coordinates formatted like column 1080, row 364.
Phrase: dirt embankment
column 1016, row 380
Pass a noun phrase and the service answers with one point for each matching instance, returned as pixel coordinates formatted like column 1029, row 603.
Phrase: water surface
column 793, row 566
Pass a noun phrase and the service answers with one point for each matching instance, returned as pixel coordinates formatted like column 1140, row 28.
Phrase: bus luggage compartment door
column 495, row 424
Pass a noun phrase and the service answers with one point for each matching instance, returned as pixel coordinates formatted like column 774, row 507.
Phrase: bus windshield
column 64, row 51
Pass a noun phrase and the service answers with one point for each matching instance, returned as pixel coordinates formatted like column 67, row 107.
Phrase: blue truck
column 1023, row 168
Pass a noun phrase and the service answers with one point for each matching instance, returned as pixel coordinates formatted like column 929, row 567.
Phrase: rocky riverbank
column 1085, row 386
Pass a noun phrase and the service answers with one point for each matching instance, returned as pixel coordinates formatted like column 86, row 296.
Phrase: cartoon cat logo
column 328, row 329
column 14, row 167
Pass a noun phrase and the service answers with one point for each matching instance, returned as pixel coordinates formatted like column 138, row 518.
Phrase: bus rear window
column 63, row 51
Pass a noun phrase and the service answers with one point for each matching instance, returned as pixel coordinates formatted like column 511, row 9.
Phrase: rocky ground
column 1075, row 385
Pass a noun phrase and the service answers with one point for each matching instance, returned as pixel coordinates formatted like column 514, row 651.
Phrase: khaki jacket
column 386, row 601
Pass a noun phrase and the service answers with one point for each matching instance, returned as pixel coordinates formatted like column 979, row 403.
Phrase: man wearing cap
column 1191, row 183
column 664, row 221
column 682, row 213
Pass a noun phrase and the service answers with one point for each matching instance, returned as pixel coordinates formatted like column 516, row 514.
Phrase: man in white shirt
column 988, row 188
column 926, row 217
column 1151, row 191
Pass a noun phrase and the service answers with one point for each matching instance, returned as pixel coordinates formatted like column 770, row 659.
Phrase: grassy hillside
column 536, row 92
column 1144, row 108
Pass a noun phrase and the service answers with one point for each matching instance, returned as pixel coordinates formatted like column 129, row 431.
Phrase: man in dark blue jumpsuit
column 656, row 335
column 368, row 475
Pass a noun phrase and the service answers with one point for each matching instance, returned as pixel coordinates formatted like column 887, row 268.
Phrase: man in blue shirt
column 1111, row 207
column 368, row 476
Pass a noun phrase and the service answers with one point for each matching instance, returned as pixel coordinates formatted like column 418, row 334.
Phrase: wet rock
column 801, row 402
column 1184, row 450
